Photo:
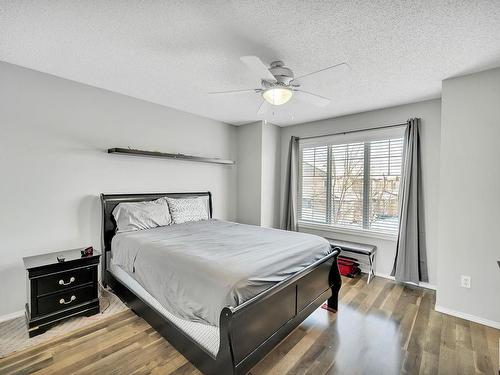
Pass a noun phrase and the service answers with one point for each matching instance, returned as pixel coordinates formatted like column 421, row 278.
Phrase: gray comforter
column 195, row 269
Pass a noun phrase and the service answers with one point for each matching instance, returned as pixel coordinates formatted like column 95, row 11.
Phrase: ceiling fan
column 279, row 84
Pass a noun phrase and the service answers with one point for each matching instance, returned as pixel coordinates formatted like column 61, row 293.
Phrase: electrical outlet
column 465, row 281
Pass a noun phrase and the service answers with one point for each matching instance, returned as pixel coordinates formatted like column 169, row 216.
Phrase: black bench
column 359, row 249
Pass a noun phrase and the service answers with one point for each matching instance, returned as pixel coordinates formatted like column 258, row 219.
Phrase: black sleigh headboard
column 110, row 201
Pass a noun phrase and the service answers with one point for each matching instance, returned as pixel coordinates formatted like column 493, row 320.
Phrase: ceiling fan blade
column 233, row 92
column 263, row 108
column 338, row 70
column 311, row 98
column 258, row 67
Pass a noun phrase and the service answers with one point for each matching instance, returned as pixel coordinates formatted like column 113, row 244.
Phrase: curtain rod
column 353, row 131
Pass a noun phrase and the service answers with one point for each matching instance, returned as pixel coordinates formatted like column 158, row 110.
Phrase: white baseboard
column 11, row 316
column 472, row 318
column 444, row 310
column 421, row 284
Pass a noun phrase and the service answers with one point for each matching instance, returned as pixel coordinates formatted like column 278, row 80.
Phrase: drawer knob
column 63, row 302
column 71, row 280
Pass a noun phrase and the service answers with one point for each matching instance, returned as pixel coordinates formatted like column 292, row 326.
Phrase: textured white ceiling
column 174, row 52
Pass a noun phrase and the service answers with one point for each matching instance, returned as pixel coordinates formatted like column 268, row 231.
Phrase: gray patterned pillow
column 188, row 209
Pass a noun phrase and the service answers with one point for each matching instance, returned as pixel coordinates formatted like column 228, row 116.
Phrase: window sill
column 348, row 231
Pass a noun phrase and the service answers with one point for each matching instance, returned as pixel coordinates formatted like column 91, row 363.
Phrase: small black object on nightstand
column 87, row 252
column 60, row 285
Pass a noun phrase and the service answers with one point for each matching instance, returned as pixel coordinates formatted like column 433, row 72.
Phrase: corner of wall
column 259, row 167
column 270, row 171
column 249, row 167
column 467, row 233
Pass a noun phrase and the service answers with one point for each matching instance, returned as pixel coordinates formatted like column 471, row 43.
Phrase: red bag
column 348, row 267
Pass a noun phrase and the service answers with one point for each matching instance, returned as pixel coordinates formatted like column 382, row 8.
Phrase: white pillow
column 187, row 209
column 141, row 215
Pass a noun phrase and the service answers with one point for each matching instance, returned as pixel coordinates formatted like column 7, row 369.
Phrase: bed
column 188, row 282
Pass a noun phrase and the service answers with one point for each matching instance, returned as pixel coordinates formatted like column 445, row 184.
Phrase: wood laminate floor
column 381, row 328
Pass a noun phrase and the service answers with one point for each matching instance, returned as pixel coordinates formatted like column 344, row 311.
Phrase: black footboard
column 260, row 323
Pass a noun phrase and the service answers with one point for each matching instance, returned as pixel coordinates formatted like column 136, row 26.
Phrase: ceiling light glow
column 277, row 95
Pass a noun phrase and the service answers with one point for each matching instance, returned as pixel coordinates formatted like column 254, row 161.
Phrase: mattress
column 195, row 269
column 205, row 335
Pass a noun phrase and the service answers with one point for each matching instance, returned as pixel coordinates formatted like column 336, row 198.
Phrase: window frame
column 364, row 231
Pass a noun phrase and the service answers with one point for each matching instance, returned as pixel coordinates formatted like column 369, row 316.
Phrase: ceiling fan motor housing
column 282, row 74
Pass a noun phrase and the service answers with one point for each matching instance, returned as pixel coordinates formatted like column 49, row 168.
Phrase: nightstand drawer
column 61, row 281
column 63, row 300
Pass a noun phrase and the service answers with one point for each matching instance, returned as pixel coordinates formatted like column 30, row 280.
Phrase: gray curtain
column 291, row 183
column 410, row 263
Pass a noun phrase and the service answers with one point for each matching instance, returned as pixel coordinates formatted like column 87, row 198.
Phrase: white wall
column 270, row 183
column 470, row 196
column 249, row 147
column 53, row 164
column 258, row 174
column 430, row 113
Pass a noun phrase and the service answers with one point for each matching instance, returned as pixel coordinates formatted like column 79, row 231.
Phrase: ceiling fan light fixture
column 277, row 95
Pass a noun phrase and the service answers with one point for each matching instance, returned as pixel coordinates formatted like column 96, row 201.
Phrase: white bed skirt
column 207, row 336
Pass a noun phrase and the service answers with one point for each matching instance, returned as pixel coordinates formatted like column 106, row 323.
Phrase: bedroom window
column 351, row 183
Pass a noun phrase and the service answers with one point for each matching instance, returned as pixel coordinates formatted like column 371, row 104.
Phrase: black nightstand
column 59, row 290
